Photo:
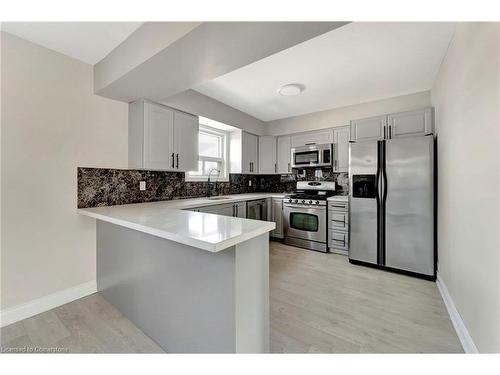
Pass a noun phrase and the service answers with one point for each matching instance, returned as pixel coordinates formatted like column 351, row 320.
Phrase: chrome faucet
column 209, row 190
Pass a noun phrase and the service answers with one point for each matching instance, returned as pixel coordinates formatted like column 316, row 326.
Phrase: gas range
column 304, row 214
column 311, row 193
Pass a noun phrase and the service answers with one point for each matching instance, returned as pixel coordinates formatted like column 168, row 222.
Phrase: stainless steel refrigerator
column 391, row 203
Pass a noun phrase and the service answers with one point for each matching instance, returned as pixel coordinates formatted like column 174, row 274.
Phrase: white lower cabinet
column 237, row 209
column 338, row 227
column 240, row 209
column 219, row 209
column 277, row 217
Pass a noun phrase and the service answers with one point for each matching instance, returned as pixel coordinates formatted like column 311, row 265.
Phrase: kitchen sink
column 217, row 198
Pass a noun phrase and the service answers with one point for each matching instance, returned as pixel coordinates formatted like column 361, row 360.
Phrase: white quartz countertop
column 169, row 220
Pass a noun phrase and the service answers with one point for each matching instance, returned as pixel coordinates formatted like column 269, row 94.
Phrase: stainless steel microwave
column 312, row 156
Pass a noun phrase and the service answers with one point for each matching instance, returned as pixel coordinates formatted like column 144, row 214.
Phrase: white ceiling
column 356, row 63
column 86, row 41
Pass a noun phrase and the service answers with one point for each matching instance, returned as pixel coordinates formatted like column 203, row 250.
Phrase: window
column 213, row 150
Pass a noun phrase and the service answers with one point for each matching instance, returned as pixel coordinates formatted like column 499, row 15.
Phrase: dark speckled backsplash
column 108, row 187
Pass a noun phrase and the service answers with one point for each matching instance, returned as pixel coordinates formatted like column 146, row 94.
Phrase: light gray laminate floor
column 319, row 303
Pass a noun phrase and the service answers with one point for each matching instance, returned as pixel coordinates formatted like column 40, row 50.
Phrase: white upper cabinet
column 186, row 131
column 404, row 124
column 243, row 149
column 341, row 136
column 312, row 138
column 411, row 123
column 283, row 161
column 250, row 154
column 368, row 129
column 162, row 138
column 267, row 154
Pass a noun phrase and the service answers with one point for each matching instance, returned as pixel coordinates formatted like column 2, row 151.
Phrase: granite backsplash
column 109, row 187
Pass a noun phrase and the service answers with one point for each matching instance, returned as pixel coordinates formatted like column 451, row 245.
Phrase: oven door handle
column 305, row 208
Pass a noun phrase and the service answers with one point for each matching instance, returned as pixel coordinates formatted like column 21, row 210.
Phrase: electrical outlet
column 142, row 185
column 249, row 182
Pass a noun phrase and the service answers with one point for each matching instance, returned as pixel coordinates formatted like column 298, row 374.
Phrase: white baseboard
column 462, row 332
column 40, row 305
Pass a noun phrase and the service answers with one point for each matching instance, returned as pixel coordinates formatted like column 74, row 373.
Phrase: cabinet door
column 410, row 123
column 241, row 209
column 267, row 155
column 219, row 209
column 283, row 154
column 277, row 217
column 186, row 128
column 158, row 137
column 249, row 147
column 368, row 129
column 341, row 138
column 312, row 138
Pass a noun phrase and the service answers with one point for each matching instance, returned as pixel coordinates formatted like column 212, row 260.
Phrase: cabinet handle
column 275, row 168
column 310, row 144
column 173, row 154
column 177, row 161
column 288, row 167
column 384, row 131
column 390, row 131
column 236, row 207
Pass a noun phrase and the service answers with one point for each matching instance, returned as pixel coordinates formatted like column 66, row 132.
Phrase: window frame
column 224, row 175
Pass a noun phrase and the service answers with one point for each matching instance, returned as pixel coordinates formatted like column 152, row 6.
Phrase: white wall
column 467, row 101
column 51, row 123
column 342, row 116
column 146, row 41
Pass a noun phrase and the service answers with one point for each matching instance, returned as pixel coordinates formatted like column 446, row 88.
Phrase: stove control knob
column 289, row 201
column 296, row 201
column 303, row 201
column 317, row 202
column 310, row 202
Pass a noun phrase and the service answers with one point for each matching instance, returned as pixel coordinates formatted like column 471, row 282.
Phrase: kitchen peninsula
column 204, row 278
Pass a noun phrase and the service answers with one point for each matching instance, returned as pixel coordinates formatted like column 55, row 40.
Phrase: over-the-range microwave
column 312, row 156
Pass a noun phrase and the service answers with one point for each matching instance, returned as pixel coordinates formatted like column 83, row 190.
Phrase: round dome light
column 291, row 89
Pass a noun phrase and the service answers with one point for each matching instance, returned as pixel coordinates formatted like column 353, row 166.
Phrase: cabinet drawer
column 338, row 220
column 338, row 240
column 338, row 206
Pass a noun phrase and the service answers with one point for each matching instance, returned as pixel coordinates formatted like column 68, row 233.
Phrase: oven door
column 307, row 223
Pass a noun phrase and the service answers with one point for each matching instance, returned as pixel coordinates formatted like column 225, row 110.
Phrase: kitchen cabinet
column 368, row 129
column 338, row 226
column 243, row 150
column 237, row 209
column 419, row 122
column 277, row 217
column 312, row 138
column 267, row 155
column 341, row 136
column 186, row 130
column 240, row 209
column 283, row 161
column 162, row 138
column 395, row 125
column 218, row 209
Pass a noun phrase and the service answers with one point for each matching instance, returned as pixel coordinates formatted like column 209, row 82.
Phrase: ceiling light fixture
column 291, row 89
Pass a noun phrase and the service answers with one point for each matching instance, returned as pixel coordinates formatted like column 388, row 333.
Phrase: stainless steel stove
column 305, row 215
